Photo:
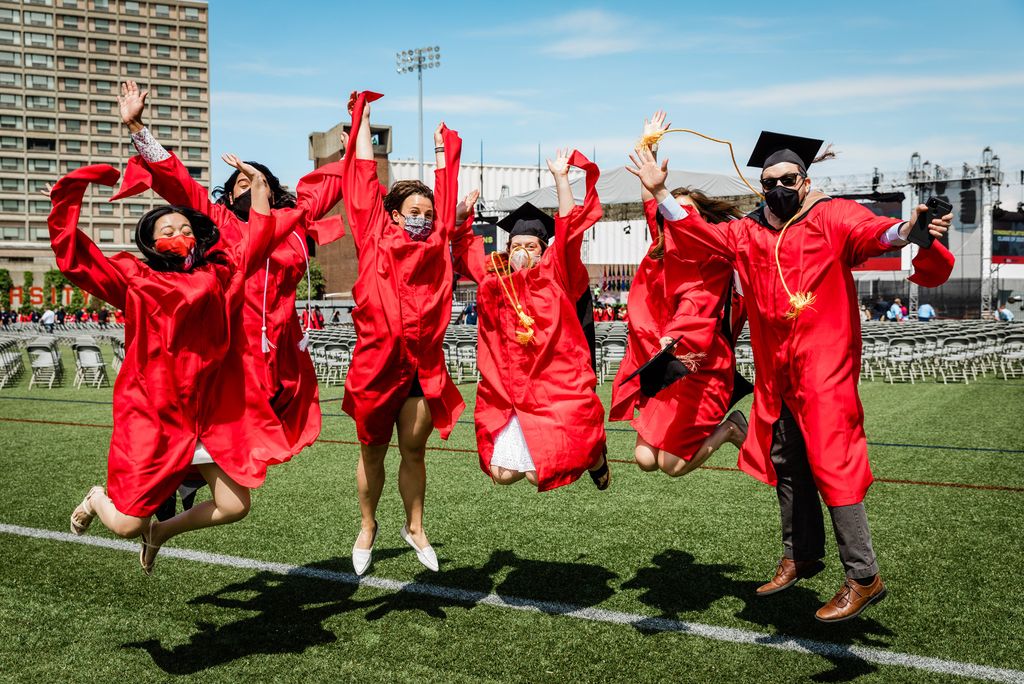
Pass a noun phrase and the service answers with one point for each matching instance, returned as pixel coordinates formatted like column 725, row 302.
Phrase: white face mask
column 519, row 259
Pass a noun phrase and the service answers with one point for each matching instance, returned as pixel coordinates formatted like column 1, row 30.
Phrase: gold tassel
column 524, row 336
column 692, row 360
column 799, row 301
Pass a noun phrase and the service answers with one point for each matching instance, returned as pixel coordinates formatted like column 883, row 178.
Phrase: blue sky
column 879, row 80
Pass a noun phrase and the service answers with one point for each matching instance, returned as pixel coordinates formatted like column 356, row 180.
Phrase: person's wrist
column 660, row 192
column 904, row 230
column 135, row 125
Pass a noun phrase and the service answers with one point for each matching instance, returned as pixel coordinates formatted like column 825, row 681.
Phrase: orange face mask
column 179, row 245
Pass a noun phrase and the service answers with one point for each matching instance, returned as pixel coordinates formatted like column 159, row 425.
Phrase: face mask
column 519, row 259
column 241, row 205
column 418, row 227
column 179, row 245
column 784, row 202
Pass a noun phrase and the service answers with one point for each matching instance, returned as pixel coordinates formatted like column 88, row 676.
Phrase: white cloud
column 262, row 101
column 867, row 89
column 454, row 104
column 276, row 70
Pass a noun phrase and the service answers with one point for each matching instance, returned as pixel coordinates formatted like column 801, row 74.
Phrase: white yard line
column 869, row 654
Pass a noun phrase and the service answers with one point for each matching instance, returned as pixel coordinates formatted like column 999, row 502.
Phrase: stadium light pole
column 417, row 60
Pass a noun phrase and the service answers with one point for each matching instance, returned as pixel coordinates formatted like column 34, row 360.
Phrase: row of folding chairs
column 12, row 366
column 45, row 362
column 90, row 368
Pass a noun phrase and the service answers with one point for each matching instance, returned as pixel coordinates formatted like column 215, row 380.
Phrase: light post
column 417, row 60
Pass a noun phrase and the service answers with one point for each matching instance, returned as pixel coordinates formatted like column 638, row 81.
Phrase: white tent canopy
column 619, row 186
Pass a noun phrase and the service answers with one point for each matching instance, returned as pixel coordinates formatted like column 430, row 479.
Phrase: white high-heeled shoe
column 361, row 557
column 425, row 555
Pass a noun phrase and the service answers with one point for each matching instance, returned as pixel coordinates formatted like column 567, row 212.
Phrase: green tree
column 53, row 279
column 316, row 278
column 5, row 288
column 29, row 281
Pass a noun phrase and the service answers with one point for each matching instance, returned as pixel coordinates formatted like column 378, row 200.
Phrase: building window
column 106, row 234
column 39, row 102
column 10, row 142
column 36, row 185
column 12, row 233
column 38, row 19
column 10, row 80
column 161, row 31
column 191, row 13
column 105, row 148
column 193, row 93
column 34, row 61
column 10, row 100
column 162, row 51
column 192, row 34
column 103, row 107
column 102, row 46
column 10, row 58
column 193, row 114
column 163, row 91
column 132, row 68
column 37, row 82
column 162, row 11
column 36, row 123
column 41, row 145
column 103, row 86
column 72, row 64
column 42, row 165
column 193, row 54
column 134, row 49
column 73, row 146
column 73, row 164
column 162, row 71
column 11, row 122
column 73, row 125
column 41, row 234
column 9, row 16
column 105, row 210
column 162, row 131
column 103, row 127
column 72, row 84
column 10, row 37
column 39, row 207
column 101, row 5
column 132, row 28
column 72, row 105
column 11, row 205
column 191, row 73
column 12, row 184
column 163, row 111
column 11, row 163
column 43, row 40
column 102, row 25
column 131, row 7
column 71, row 43
column 136, row 209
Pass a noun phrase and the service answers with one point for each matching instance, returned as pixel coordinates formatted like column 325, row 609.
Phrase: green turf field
column 572, row 585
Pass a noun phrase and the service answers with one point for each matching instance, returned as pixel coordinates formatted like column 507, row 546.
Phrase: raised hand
column 645, row 167
column 656, row 124
column 438, row 137
column 465, row 207
column 131, row 103
column 559, row 166
column 47, row 190
column 352, row 105
column 248, row 170
column 938, row 227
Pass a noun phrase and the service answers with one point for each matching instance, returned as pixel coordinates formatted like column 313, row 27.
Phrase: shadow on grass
column 675, row 585
column 290, row 611
column 551, row 587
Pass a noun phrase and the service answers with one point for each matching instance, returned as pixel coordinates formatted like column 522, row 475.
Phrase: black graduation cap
column 662, row 370
column 529, row 220
column 775, row 148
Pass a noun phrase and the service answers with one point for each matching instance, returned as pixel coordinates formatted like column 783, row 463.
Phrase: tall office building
column 61, row 62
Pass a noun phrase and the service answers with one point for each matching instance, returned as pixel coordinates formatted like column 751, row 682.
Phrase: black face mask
column 243, row 203
column 784, row 202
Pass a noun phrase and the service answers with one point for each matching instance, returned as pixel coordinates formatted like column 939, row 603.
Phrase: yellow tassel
column 799, row 301
column 651, row 139
column 692, row 360
column 525, row 320
column 524, row 336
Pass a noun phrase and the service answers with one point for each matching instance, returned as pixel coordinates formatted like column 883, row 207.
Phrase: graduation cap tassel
column 652, row 139
column 504, row 272
column 798, row 301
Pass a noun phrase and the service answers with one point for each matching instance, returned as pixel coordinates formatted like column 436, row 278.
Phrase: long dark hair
column 280, row 198
column 203, row 230
column 711, row 209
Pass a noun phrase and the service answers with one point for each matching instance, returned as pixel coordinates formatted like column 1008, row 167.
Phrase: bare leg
column 646, row 455
column 504, row 476
column 414, row 426
column 727, row 431
column 230, row 503
column 127, row 526
column 370, row 482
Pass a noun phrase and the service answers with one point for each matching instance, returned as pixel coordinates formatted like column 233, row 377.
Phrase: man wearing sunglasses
column 794, row 255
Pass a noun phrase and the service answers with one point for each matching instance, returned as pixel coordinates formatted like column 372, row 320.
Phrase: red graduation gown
column 670, row 297
column 548, row 383
column 403, row 295
column 183, row 378
column 812, row 362
column 284, row 371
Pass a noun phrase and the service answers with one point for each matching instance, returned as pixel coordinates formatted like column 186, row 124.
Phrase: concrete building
column 61, row 62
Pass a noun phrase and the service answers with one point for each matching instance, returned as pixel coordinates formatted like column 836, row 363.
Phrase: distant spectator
column 471, row 315
column 61, row 315
column 620, row 313
column 865, row 315
column 895, row 313
column 880, row 309
column 926, row 312
column 35, row 316
column 336, row 318
column 48, row 319
column 1004, row 314
column 103, row 316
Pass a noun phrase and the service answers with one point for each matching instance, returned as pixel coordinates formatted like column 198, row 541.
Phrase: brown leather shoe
column 787, row 573
column 851, row 600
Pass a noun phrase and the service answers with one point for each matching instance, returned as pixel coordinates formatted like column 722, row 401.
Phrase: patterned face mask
column 418, row 227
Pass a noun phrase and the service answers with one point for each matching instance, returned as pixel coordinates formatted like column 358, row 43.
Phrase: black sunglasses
column 790, row 180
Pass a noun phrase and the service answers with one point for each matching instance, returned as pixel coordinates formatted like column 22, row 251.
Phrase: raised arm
column 446, row 179
column 77, row 256
column 573, row 221
column 317, row 193
column 685, row 230
column 362, row 191
column 467, row 246
column 655, row 125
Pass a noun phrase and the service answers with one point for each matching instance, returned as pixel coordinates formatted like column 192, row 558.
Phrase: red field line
column 918, row 483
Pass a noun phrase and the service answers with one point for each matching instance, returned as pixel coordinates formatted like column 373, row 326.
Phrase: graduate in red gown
column 403, row 295
column 537, row 415
column 673, row 297
column 278, row 359
column 180, row 398
column 794, row 255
